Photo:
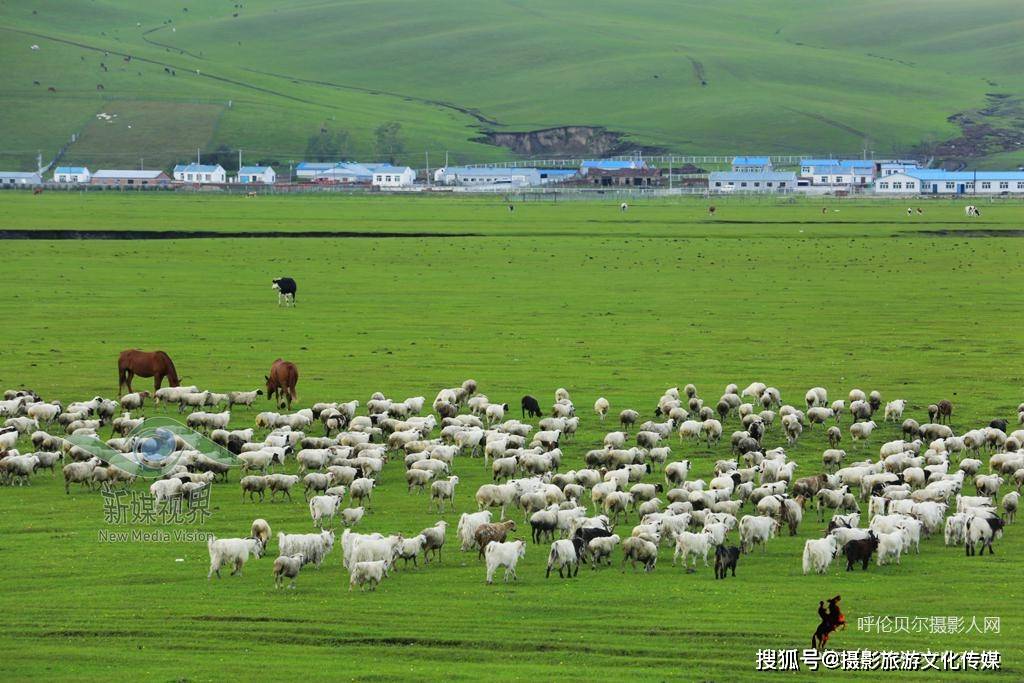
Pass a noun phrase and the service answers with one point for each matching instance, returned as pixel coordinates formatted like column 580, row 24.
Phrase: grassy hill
column 784, row 77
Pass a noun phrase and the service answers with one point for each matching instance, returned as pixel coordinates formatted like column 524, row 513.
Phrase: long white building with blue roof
column 937, row 181
column 75, row 175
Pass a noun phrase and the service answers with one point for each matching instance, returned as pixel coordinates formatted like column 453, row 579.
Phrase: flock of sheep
column 913, row 489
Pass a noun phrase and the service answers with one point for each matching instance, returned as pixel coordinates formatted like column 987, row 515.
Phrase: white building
column 386, row 176
column 891, row 167
column 838, row 173
column 16, row 178
column 937, row 181
column 750, row 181
column 487, row 176
column 200, row 173
column 71, row 174
column 256, row 174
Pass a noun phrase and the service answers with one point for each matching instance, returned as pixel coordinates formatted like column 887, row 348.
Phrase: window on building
column 1020, row 186
column 131, row 182
column 1004, row 186
column 950, row 186
column 207, row 177
column 897, row 186
column 824, row 179
column 757, row 184
column 718, row 183
column 985, row 185
column 782, row 184
column 769, row 183
column 970, row 186
column 743, row 184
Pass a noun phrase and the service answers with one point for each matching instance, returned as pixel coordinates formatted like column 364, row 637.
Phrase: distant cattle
column 286, row 290
column 971, row 210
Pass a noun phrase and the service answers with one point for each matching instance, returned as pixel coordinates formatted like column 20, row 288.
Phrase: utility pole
column 197, row 156
column 239, row 159
column 426, row 154
column 142, row 163
column 670, row 173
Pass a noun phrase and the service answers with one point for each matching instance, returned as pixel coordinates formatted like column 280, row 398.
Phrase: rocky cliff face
column 562, row 141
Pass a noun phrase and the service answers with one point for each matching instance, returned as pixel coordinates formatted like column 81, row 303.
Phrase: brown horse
column 155, row 364
column 281, row 383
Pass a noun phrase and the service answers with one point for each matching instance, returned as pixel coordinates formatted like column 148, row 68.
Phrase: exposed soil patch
column 207, row 234
column 565, row 141
column 994, row 128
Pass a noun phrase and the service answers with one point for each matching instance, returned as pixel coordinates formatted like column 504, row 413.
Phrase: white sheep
column 757, row 530
column 601, row 549
column 351, row 516
column 601, row 407
column 894, row 410
column 313, row 546
column 288, row 567
column 323, row 507
column 696, row 545
column 819, row 553
column 442, row 490
column 231, row 551
column 891, row 545
column 505, row 555
column 370, row 572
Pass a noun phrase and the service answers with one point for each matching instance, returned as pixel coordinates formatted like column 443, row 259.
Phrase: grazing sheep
column 819, row 553
column 491, row 532
column 351, row 516
column 601, row 407
column 601, row 548
column 443, row 490
column 253, row 484
column 361, row 490
column 260, row 529
column 507, row 555
column 726, row 558
column 627, row 418
column 469, row 522
column 232, row 551
column 894, row 410
column 862, row 430
column 313, row 546
column 370, row 572
column 435, row 537
column 757, row 530
column 565, row 554
column 636, row 549
column 696, row 545
column 321, row 507
column 1011, row 502
column 890, row 546
column 410, row 548
column 288, row 567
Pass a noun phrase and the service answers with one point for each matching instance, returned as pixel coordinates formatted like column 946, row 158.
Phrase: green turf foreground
column 574, row 295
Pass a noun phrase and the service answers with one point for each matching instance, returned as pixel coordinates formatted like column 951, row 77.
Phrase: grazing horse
column 281, row 383
column 155, row 364
column 711, row 210
column 831, row 619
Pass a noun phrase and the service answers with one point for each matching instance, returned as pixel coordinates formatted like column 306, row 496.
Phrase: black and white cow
column 286, row 289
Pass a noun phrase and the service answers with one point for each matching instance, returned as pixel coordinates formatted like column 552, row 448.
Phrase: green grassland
column 785, row 77
column 578, row 295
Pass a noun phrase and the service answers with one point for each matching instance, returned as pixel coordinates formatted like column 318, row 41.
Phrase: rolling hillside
column 922, row 76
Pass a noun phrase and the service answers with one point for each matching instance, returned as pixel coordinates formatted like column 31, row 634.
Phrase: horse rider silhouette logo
column 832, row 619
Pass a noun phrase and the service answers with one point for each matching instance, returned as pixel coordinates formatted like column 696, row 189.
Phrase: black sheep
column 530, row 406
column 726, row 559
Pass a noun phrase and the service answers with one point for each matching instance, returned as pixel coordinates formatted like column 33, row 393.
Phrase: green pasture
column 577, row 295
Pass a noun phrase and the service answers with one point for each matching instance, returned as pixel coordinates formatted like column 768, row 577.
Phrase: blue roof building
column 751, row 164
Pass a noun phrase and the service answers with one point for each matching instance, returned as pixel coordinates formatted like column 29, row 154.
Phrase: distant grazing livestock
column 155, row 364
column 623, row 206
column 286, row 290
column 530, row 406
column 940, row 412
column 971, row 211
column 281, row 383
column 711, row 210
column 232, row 551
